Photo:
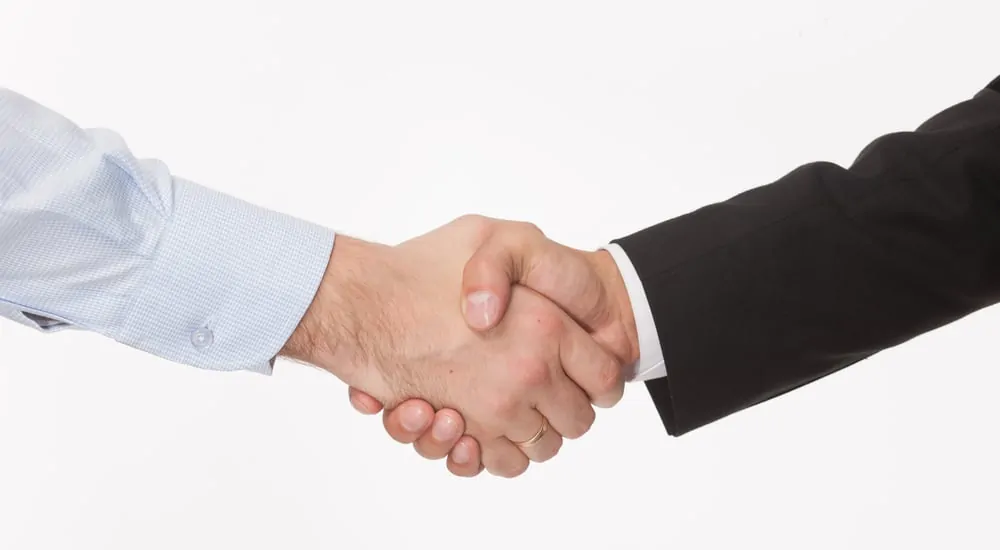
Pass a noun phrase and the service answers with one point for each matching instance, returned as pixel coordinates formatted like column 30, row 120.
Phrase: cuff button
column 202, row 338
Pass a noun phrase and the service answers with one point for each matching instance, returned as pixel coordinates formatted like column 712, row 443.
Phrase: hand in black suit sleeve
column 786, row 283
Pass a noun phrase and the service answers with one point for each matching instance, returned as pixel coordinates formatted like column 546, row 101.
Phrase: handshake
column 487, row 342
column 509, row 336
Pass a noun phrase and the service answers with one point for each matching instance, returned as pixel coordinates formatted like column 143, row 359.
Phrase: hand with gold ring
column 587, row 285
column 388, row 321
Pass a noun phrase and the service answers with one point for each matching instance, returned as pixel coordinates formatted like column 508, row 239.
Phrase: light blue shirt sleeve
column 92, row 238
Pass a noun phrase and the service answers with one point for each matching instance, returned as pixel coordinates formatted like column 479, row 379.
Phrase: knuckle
column 512, row 467
column 503, row 405
column 608, row 381
column 504, row 461
column 532, row 373
column 551, row 453
column 520, row 469
column 470, row 219
column 476, row 224
column 530, row 229
column 557, row 447
column 582, row 422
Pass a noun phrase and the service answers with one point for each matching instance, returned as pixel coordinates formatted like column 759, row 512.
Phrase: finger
column 465, row 460
column 545, row 448
column 524, row 435
column 363, row 403
column 592, row 368
column 437, row 442
column 566, row 407
column 501, row 458
column 407, row 422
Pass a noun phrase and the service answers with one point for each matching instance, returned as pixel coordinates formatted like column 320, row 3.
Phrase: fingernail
column 481, row 308
column 414, row 420
column 461, row 454
column 445, row 428
column 356, row 403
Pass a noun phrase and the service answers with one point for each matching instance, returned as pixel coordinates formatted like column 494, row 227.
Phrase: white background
column 593, row 119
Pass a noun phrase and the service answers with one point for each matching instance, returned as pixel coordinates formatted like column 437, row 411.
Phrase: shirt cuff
column 228, row 284
column 650, row 365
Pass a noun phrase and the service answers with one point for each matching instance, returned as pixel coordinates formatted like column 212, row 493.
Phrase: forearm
column 787, row 283
column 356, row 319
column 335, row 331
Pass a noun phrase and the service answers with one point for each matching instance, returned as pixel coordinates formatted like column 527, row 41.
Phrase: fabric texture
column 92, row 238
column 787, row 283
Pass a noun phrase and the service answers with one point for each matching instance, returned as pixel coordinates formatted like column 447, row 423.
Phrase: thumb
column 520, row 254
column 493, row 269
column 485, row 289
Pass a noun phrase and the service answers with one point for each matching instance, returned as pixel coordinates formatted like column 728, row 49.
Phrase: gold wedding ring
column 542, row 430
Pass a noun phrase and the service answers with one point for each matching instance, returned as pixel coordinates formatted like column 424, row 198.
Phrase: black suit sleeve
column 786, row 283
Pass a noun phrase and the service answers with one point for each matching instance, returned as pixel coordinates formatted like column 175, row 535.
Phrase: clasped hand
column 508, row 336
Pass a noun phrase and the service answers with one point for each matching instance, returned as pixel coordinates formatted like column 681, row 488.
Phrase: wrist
column 621, row 335
column 333, row 332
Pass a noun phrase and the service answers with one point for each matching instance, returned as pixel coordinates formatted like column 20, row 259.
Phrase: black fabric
column 787, row 283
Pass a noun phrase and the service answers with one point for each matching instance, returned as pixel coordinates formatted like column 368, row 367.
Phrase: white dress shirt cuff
column 651, row 364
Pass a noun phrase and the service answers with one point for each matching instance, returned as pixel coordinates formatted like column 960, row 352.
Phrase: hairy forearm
column 358, row 318
column 330, row 334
